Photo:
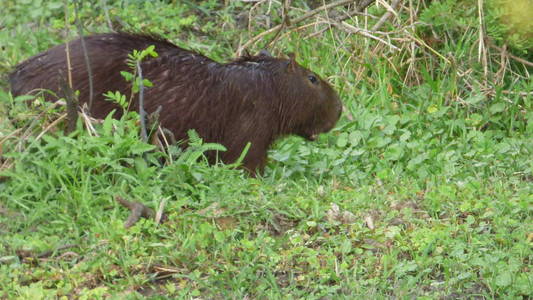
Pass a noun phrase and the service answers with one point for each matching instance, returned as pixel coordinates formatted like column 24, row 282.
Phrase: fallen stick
column 138, row 210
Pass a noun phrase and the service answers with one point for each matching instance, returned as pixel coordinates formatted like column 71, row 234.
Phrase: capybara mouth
column 311, row 137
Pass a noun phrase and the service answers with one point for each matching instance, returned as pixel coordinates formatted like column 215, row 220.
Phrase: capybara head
column 316, row 107
column 253, row 99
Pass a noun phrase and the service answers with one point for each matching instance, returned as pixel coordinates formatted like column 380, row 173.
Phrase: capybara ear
column 291, row 67
column 265, row 52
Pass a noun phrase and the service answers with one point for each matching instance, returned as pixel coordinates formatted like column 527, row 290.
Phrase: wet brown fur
column 253, row 99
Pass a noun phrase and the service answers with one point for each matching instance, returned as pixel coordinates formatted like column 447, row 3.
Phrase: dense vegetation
column 424, row 189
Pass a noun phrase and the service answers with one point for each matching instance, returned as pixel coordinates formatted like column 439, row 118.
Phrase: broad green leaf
column 342, row 140
column 497, row 108
column 504, row 278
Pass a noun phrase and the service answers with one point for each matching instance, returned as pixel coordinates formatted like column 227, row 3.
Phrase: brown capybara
column 254, row 99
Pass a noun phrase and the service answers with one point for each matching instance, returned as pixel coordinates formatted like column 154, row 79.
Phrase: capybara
column 254, row 99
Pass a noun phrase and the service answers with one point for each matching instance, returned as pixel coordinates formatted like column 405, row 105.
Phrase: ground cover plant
column 423, row 190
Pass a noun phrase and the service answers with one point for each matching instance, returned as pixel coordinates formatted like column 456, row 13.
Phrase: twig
column 348, row 15
column 138, row 210
column 72, row 105
column 364, row 32
column 168, row 139
column 518, row 59
column 50, row 126
column 411, row 48
column 68, row 93
column 482, row 49
column 249, row 25
column 50, row 252
column 286, row 22
column 29, row 255
column 159, row 214
column 85, row 54
column 142, row 112
column 9, row 135
column 523, row 94
column 87, row 120
column 504, row 61
column 67, row 47
column 386, row 15
column 309, row 14
column 425, row 45
column 29, row 128
column 106, row 13
column 162, row 272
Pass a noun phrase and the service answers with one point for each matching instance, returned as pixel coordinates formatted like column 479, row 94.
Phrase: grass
column 423, row 190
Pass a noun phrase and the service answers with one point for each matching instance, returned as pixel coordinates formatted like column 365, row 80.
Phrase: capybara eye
column 313, row 79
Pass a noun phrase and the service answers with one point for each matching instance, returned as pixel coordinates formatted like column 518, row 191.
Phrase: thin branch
column 309, row 14
column 159, row 216
column 68, row 93
column 482, row 48
column 286, row 22
column 425, row 45
column 60, row 248
column 363, row 32
column 518, row 59
column 87, row 120
column 347, row 15
column 138, row 210
column 386, row 15
column 50, row 126
column 142, row 112
column 85, row 53
column 72, row 105
column 67, row 47
column 106, row 13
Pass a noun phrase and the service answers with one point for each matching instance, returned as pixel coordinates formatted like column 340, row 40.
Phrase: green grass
column 432, row 176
